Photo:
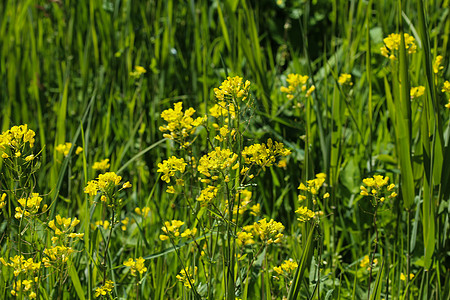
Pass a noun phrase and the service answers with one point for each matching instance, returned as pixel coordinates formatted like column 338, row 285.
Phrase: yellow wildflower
column 187, row 277
column 105, row 289
column 136, row 265
column 437, row 64
column 179, row 124
column 304, row 214
column 345, row 79
column 207, row 195
column 392, row 42
column 286, row 267
column 232, row 88
column 170, row 166
column 416, row 92
column 30, row 206
column 446, row 87
column 142, row 212
column 64, row 148
column 215, row 161
column 101, row 165
column 138, row 71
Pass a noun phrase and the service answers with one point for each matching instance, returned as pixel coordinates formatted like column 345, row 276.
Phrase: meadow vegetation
column 229, row 149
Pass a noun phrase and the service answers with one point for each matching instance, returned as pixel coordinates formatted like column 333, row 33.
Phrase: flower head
column 136, row 265
column 392, row 44
column 179, row 124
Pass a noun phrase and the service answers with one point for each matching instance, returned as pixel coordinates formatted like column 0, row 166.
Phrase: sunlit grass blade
column 303, row 264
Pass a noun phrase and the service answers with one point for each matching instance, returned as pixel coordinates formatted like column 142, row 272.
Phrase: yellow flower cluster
column 304, row 214
column 417, row 91
column 101, row 165
column 215, row 161
column 179, row 124
column 172, row 228
column 365, row 262
column 138, row 71
column 286, row 267
column 403, row 276
column 16, row 137
column 105, row 289
column 2, row 201
column 66, row 225
column 187, row 278
column 56, row 255
column 345, row 79
column 142, row 212
column 264, row 155
column 65, row 148
column 245, row 200
column 446, row 89
column 21, row 265
column 312, row 186
column 392, row 42
column 295, row 82
column 223, row 132
column 30, row 206
column 223, row 108
column 170, row 166
column 268, row 232
column 233, row 88
column 124, row 223
column 245, row 238
column 189, row 232
column 377, row 184
column 437, row 64
column 24, row 286
column 104, row 183
column 104, row 224
column 136, row 265
column 207, row 195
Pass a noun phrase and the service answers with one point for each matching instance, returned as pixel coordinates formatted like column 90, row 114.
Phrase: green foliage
column 98, row 75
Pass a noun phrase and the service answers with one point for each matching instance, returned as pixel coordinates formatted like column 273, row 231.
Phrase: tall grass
column 65, row 71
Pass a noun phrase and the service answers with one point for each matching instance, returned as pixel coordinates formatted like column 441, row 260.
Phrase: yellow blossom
column 105, row 289
column 268, row 232
column 136, row 265
column 64, row 148
column 403, row 276
column 189, row 232
column 138, row 71
column 142, row 212
column 264, row 155
column 446, row 87
column 232, row 88
column 29, row 206
column 437, row 64
column 171, row 228
column 170, row 166
column 286, row 267
column 78, row 150
column 179, row 124
column 304, row 214
column 207, row 195
column 187, row 277
column 101, row 165
column 345, row 79
column 416, row 92
column 215, row 161
column 392, row 43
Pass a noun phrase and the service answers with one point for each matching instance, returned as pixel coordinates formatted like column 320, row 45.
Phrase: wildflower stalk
column 408, row 250
column 105, row 254
column 374, row 249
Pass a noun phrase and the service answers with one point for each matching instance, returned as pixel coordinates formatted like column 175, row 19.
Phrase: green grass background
column 64, row 70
